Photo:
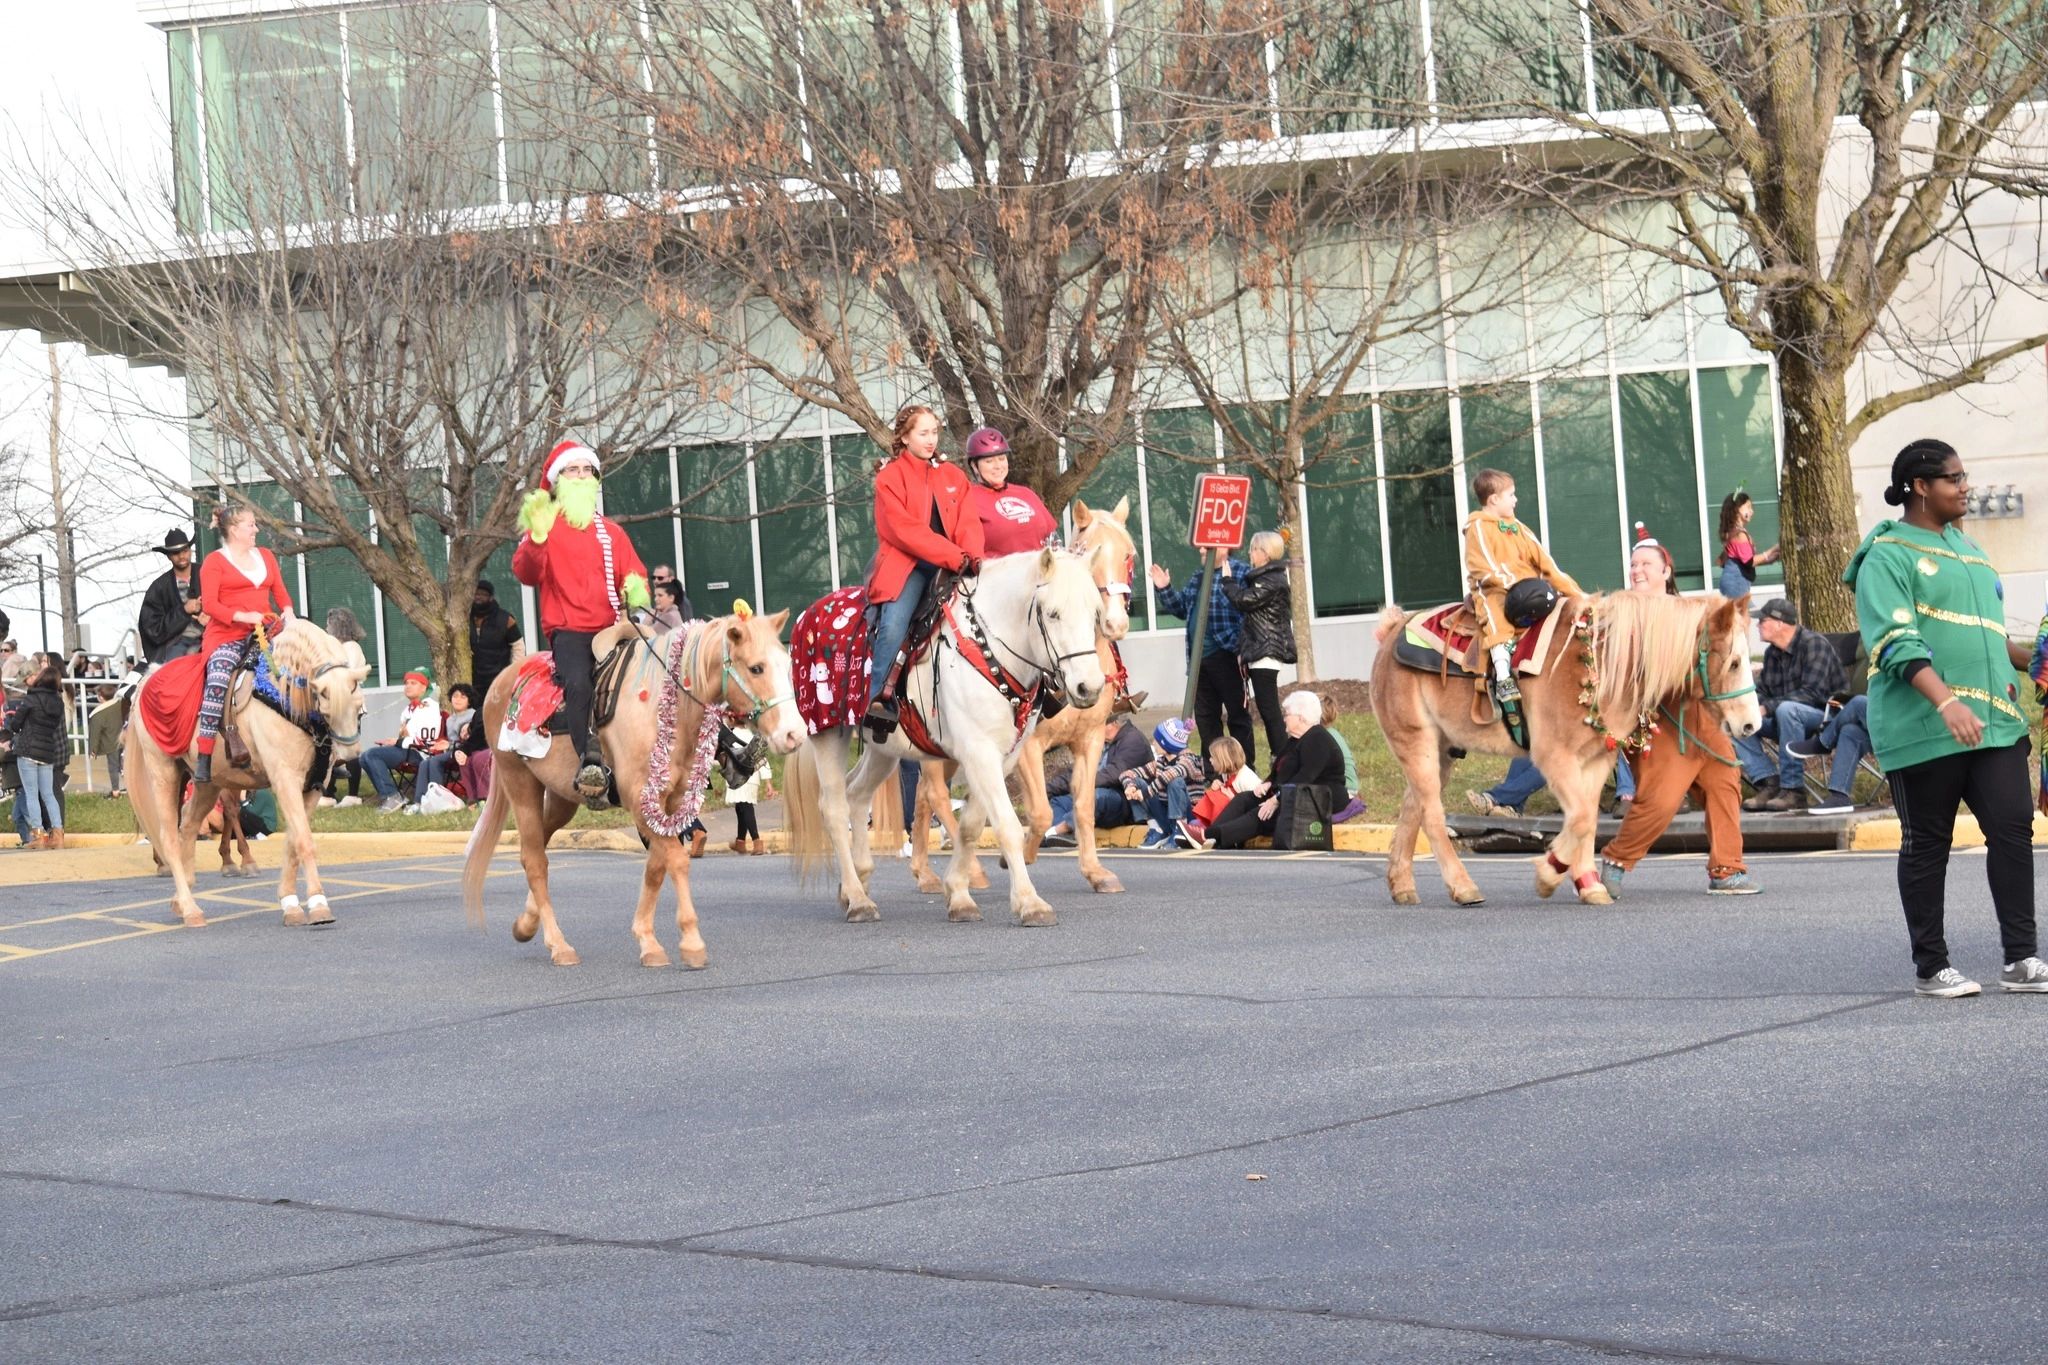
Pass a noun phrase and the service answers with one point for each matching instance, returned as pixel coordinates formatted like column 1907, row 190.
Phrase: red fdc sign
column 1221, row 501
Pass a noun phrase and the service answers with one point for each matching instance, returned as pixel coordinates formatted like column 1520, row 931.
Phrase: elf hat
column 565, row 455
column 423, row 673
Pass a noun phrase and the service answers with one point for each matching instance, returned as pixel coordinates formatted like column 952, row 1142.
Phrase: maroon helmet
column 986, row 441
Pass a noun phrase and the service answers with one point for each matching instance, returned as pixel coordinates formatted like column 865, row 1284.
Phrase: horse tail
column 801, row 819
column 1391, row 620
column 483, row 841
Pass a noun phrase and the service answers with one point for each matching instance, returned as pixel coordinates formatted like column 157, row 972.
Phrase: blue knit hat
column 1173, row 735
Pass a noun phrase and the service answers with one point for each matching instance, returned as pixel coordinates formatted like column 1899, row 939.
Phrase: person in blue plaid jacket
column 1220, row 682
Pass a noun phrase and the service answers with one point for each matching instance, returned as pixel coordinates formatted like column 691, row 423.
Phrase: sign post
column 1221, row 501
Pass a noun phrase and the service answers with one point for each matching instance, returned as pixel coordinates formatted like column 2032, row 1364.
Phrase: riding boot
column 883, row 714
column 698, row 838
column 594, row 780
column 1505, row 689
column 202, row 772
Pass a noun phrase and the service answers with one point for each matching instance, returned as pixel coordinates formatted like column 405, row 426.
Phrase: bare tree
column 989, row 198
column 1811, row 166
column 357, row 332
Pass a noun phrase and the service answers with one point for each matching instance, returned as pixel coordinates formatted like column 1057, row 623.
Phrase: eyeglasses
column 1960, row 478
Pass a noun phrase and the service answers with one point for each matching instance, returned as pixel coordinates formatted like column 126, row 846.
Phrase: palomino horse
column 736, row 664
column 1042, row 617
column 1645, row 649
column 317, row 683
column 1077, row 727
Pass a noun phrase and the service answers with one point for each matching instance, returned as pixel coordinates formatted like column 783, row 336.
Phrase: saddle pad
column 828, row 652
column 1428, row 642
column 536, row 696
column 169, row 702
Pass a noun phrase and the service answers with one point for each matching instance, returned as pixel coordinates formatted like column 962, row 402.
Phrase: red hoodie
column 906, row 491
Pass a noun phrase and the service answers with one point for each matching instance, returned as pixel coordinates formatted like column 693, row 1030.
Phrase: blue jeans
column 433, row 768
column 1788, row 722
column 1111, row 809
column 379, row 762
column 1847, row 736
column 1525, row 779
column 39, row 794
column 1165, row 808
column 892, row 623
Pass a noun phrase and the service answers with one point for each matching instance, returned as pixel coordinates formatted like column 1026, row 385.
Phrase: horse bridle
column 726, row 670
column 1707, row 687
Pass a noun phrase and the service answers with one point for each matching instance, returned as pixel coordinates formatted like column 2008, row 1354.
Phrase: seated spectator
column 442, row 762
column 1158, row 789
column 1846, row 735
column 418, row 727
column 1801, row 671
column 1524, row 779
column 1123, row 747
column 1354, row 805
column 1311, row 758
column 1229, row 775
column 350, row 768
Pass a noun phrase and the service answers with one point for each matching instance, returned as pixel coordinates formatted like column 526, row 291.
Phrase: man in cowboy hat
column 172, row 622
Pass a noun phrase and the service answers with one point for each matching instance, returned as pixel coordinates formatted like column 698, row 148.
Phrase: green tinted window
column 1422, row 498
column 1578, row 472
column 421, row 107
column 1656, row 445
column 405, row 645
column 1344, row 517
column 1345, row 59
column 566, row 131
column 718, row 549
column 334, row 578
column 636, row 495
column 796, row 553
column 1180, row 445
column 275, row 148
column 1496, row 56
column 1500, row 433
column 186, row 163
column 1739, row 444
column 853, row 496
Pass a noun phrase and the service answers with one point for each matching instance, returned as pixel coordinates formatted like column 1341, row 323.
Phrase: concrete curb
column 1883, row 835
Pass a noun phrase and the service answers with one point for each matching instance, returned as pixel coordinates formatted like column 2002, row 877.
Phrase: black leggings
column 1219, row 704
column 1238, row 823
column 353, row 770
column 750, row 824
column 574, row 665
column 1266, row 695
column 1994, row 783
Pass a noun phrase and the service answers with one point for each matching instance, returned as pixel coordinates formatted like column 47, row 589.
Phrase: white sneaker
column 904, row 852
column 2028, row 974
column 327, row 803
column 1948, row 983
column 348, row 801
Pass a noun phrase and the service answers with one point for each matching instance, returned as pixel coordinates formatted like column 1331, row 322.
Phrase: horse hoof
column 524, row 928
column 964, row 914
column 319, row 919
column 929, row 883
column 1040, row 916
column 193, row 920
column 654, row 958
column 1595, row 894
column 1471, row 895
column 564, row 957
column 294, row 918
column 1407, row 898
column 1105, row 883
column 866, row 913
column 694, row 958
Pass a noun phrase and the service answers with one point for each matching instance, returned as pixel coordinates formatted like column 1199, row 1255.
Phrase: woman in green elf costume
column 1945, row 714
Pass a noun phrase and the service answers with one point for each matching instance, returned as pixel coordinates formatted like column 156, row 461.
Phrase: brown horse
column 737, row 662
column 320, row 684
column 1645, row 649
column 1078, row 727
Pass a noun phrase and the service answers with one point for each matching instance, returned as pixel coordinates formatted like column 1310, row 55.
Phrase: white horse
column 1042, row 616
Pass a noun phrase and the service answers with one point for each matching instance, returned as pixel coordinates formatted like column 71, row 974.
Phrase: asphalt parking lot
column 1248, row 1111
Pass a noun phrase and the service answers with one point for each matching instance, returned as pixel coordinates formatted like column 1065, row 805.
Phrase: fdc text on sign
column 1221, row 501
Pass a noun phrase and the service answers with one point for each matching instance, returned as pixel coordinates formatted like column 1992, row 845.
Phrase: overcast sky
column 72, row 72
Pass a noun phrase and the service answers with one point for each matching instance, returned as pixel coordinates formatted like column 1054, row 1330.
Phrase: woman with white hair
column 1309, row 758
column 1265, row 599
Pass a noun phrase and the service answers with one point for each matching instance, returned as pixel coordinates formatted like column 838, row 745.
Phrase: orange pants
column 1663, row 777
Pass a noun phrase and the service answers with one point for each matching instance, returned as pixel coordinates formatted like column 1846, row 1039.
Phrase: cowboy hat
column 175, row 540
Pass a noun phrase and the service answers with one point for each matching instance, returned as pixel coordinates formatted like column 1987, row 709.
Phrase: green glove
column 636, row 593
column 537, row 515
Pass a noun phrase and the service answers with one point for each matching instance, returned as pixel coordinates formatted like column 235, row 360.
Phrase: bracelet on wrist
column 1942, row 705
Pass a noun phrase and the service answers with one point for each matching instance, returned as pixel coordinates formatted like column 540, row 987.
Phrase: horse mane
column 1645, row 646
column 298, row 651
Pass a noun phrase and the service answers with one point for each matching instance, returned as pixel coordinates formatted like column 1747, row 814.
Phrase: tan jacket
column 1499, row 554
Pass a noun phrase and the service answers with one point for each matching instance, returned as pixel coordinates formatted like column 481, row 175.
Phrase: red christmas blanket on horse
column 828, row 653
column 169, row 702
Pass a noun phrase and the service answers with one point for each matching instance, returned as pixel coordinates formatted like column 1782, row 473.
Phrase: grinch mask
column 578, row 498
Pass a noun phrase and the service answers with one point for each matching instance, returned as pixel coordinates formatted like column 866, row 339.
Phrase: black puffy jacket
column 1267, row 604
column 37, row 729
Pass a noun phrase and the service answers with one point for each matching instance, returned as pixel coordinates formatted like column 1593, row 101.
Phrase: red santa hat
column 565, row 455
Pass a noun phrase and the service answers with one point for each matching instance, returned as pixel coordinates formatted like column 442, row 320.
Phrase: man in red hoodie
column 925, row 523
column 587, row 575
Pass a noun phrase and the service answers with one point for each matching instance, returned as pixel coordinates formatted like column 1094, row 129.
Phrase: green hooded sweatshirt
column 1923, row 595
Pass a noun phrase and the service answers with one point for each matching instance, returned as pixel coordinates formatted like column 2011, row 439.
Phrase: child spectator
column 743, row 798
column 1231, row 774
column 1158, row 790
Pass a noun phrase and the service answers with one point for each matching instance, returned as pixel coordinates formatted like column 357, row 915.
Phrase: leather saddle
column 1446, row 642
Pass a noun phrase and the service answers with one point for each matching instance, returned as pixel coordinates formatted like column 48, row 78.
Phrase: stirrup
column 594, row 783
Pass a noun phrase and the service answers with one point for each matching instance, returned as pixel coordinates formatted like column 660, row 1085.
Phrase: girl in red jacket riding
column 925, row 522
column 241, row 587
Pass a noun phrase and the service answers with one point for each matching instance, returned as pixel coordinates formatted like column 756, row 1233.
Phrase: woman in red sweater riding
column 1013, row 518
column 240, row 588
column 925, row 522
